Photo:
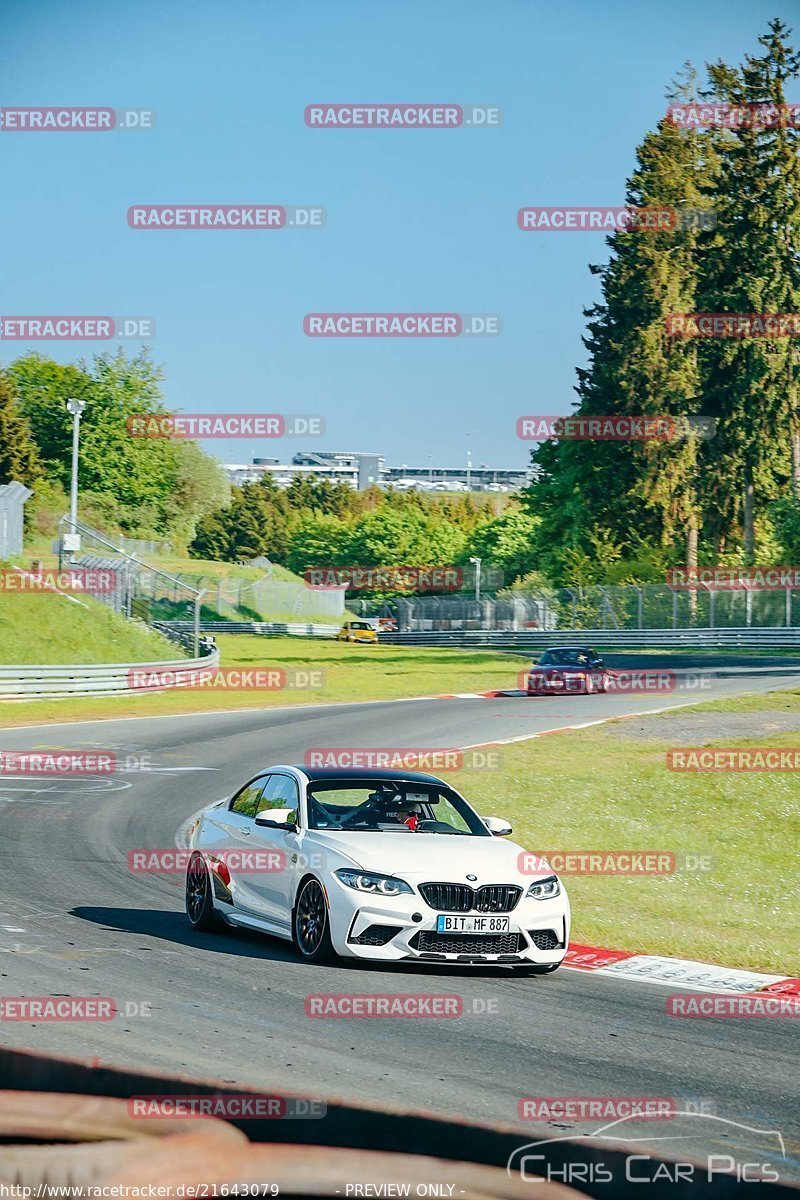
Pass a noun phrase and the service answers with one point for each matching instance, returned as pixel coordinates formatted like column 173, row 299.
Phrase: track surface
column 73, row 921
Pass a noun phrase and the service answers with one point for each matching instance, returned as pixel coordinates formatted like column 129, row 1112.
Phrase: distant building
column 467, row 479
column 362, row 470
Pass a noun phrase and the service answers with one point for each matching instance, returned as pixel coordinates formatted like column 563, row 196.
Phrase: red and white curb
column 683, row 972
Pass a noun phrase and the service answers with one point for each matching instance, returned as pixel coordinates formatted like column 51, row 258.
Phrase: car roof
column 568, row 648
column 318, row 773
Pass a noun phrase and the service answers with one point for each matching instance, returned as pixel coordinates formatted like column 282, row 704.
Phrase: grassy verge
column 347, row 673
column 601, row 790
column 46, row 628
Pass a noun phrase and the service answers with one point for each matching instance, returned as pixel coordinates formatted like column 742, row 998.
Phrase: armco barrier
column 764, row 638
column 104, row 679
column 761, row 638
column 274, row 628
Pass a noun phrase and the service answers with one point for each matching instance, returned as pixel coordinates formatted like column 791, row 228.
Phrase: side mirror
column 497, row 826
column 277, row 818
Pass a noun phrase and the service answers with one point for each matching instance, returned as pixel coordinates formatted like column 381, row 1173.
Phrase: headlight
column 378, row 885
column 544, row 889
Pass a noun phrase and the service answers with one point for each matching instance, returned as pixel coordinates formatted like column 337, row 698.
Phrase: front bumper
column 539, row 685
column 384, row 929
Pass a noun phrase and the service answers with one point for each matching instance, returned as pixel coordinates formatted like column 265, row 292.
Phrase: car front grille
column 545, row 939
column 375, row 935
column 430, row 942
column 459, row 897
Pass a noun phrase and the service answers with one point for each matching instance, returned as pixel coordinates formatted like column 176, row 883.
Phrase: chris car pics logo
column 578, row 1160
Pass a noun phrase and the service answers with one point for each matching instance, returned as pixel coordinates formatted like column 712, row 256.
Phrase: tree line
column 159, row 488
column 322, row 523
column 597, row 511
column 144, row 487
column 612, row 511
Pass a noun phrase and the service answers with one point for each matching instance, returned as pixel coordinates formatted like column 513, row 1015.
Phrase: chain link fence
column 266, row 598
column 150, row 594
column 645, row 606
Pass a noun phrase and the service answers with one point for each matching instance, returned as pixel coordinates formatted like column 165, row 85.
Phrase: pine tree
column 632, row 494
column 19, row 458
column 753, row 266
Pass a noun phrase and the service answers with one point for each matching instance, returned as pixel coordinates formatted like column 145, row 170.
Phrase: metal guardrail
column 293, row 628
column 641, row 639
column 103, row 679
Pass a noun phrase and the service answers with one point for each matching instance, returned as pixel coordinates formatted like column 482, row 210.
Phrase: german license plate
column 457, row 924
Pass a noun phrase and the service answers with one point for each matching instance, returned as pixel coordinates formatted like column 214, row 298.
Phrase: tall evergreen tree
column 631, row 494
column 19, row 458
column 753, row 266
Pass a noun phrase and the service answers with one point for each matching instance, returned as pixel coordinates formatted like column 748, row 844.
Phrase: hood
column 565, row 669
column 432, row 857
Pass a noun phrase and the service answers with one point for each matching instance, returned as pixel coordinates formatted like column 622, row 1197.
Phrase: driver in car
column 391, row 808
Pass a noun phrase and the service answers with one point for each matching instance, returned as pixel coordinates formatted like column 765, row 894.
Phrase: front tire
column 311, row 927
column 199, row 898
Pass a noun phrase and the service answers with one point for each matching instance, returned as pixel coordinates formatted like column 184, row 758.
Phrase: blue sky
column 416, row 220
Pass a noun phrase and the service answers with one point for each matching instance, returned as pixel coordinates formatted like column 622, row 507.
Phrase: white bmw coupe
column 380, row 865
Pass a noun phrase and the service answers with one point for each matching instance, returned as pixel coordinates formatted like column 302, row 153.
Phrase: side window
column 446, row 814
column 245, row 802
column 280, row 800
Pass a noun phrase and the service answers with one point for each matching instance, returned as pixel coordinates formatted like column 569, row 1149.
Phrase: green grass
column 596, row 789
column 350, row 673
column 592, row 789
column 45, row 628
column 759, row 701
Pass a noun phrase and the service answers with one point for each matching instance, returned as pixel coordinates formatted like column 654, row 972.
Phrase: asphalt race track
column 74, row 921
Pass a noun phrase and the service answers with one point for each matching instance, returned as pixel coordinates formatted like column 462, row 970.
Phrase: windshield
column 566, row 658
column 390, row 806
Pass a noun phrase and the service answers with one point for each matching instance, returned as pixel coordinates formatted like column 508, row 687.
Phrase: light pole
column 75, row 408
column 477, row 563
